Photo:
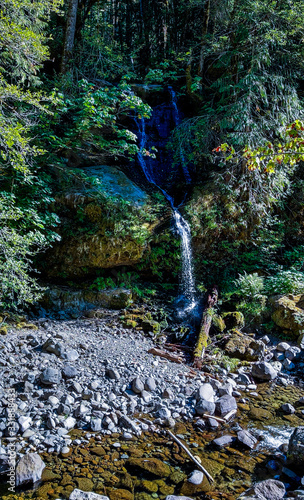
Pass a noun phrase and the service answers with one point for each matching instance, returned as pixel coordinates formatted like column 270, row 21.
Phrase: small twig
column 218, row 419
column 209, row 477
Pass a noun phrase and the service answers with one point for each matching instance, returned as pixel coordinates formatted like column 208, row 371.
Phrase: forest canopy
column 67, row 75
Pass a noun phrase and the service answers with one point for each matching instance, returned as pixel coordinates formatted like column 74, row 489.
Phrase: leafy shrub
column 290, row 281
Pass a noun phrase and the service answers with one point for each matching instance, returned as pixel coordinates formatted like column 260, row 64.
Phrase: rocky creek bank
column 88, row 405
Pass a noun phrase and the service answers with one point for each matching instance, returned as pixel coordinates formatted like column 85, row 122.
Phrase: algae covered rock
column 289, row 313
column 233, row 319
column 244, row 347
column 153, row 466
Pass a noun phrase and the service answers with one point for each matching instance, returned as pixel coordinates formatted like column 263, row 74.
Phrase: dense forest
column 73, row 73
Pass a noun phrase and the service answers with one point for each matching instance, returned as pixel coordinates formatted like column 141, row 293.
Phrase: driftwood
column 209, row 477
column 203, row 335
column 218, row 419
column 167, row 355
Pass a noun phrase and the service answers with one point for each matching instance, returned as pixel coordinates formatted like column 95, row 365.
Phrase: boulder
column 206, row 392
column 289, row 313
column 296, row 447
column 50, row 376
column 246, row 439
column 270, row 489
column 96, row 233
column 263, row 371
column 244, row 347
column 29, row 469
column 204, row 406
column 225, row 405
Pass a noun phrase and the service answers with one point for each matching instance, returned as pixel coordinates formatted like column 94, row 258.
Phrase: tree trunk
column 206, row 17
column 69, row 35
column 202, row 340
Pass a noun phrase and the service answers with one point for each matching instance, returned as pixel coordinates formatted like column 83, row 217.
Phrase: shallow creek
column 153, row 466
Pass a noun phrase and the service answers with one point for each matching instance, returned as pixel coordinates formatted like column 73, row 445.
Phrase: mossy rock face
column 60, row 298
column 106, row 222
column 152, row 466
column 233, row 319
column 244, row 347
column 289, row 313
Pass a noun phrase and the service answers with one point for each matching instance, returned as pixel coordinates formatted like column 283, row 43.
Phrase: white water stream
column 187, row 283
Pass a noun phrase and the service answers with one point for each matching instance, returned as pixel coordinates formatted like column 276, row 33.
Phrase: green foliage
column 285, row 282
column 25, row 220
column 162, row 258
column 87, row 121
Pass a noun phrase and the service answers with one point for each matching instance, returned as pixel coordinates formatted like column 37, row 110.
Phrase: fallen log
column 167, row 355
column 205, row 325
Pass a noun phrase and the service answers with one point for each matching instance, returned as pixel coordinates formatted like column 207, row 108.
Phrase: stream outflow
column 187, row 283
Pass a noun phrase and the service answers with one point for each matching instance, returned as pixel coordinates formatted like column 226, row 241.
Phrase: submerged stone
column 153, row 466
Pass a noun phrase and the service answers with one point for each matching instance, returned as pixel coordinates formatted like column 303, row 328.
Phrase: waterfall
column 187, row 283
column 177, row 121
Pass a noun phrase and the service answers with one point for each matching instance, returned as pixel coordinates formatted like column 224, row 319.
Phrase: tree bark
column 69, row 37
column 206, row 17
column 203, row 335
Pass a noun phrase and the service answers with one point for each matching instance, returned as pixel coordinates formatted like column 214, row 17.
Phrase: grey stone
column 213, row 424
column 205, row 391
column 96, row 424
column 196, row 477
column 25, row 423
column 223, row 441
column 288, row 408
column 69, row 423
column 296, row 446
column 225, row 390
column 243, row 379
column 168, row 394
column 174, row 497
column 50, row 376
column 29, row 469
column 292, row 353
column 137, row 385
column 69, row 354
column 270, row 489
column 288, row 364
column 263, row 371
column 225, row 404
column 283, row 346
column 112, row 374
column 163, row 413
column 204, row 406
column 69, row 371
column 245, row 438
column 150, row 384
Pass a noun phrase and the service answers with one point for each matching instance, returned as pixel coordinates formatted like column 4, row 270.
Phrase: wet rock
column 260, row 414
column 296, row 446
column 195, row 489
column 121, row 494
column 29, row 469
column 246, row 439
column 288, row 365
column 50, row 376
column 204, row 406
column 223, row 441
column 288, row 408
column 196, row 477
column 292, row 353
column 265, row 490
column 153, row 466
column 86, row 495
column 263, row 371
column 225, row 404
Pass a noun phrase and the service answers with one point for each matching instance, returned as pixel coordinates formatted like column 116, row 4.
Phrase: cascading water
column 187, row 275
